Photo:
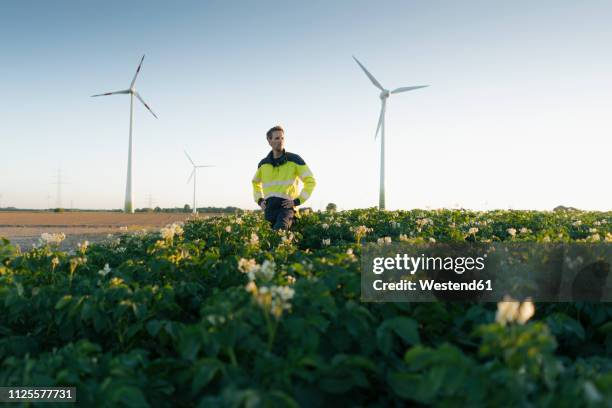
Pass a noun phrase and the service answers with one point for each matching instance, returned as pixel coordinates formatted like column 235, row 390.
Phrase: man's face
column 277, row 140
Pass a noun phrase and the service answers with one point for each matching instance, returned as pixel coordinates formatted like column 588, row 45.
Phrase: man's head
column 276, row 138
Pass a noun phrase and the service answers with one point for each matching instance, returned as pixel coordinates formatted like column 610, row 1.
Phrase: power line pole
column 59, row 184
column 150, row 200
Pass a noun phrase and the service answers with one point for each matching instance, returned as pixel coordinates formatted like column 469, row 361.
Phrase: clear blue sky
column 518, row 114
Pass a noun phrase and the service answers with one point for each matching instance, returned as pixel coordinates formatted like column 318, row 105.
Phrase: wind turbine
column 129, row 196
column 194, row 175
column 384, row 95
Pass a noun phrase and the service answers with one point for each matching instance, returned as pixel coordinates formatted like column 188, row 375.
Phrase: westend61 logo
column 486, row 272
column 411, row 264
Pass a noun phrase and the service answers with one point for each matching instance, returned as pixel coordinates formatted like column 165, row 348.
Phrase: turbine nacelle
column 384, row 94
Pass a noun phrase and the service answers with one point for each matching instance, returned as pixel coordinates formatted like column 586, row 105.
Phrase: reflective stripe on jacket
column 279, row 178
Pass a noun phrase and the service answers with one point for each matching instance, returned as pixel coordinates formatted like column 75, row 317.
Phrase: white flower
column 290, row 280
column 326, row 242
column 349, row 251
column 473, row 231
column 387, row 240
column 105, row 271
column 509, row 311
column 432, row 240
column 526, row 311
column 546, row 239
column 254, row 239
column 54, row 262
column 594, row 238
column 247, row 265
column 83, row 246
column 403, row 237
column 251, row 287
column 267, row 270
column 362, row 230
column 287, row 237
column 324, row 226
column 577, row 223
column 506, row 311
column 52, row 239
column 239, row 221
column 511, row 231
column 170, row 230
column 228, row 229
column 524, row 230
column 592, row 230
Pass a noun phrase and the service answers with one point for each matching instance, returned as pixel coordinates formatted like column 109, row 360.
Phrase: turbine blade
column 381, row 118
column 208, row 165
column 190, row 176
column 126, row 91
column 408, row 88
column 145, row 104
column 374, row 81
column 189, row 157
column 137, row 72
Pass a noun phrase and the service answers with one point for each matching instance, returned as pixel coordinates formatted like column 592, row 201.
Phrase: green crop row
column 227, row 312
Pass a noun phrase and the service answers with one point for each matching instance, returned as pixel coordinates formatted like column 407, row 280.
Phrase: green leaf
column 63, row 302
column 404, row 327
column 153, row 327
column 204, row 373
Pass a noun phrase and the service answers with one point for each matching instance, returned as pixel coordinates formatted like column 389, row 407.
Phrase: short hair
column 274, row 129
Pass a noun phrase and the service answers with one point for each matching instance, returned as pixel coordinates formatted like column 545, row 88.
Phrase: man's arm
column 258, row 194
column 308, row 179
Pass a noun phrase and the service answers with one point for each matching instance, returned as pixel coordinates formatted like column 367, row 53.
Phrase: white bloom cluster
column 384, row 241
column 361, row 230
column 511, row 231
column 105, row 271
column 325, row 226
column 273, row 299
column 573, row 263
column 473, row 231
column 228, row 228
column 54, row 262
column 254, row 239
column 394, row 224
column 524, row 230
column 264, row 272
column 577, row 223
column 170, row 230
column 52, row 239
column 326, row 242
column 432, row 240
column 83, row 246
column 510, row 310
column 593, row 238
column 403, row 237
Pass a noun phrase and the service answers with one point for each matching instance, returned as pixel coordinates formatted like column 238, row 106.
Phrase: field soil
column 24, row 228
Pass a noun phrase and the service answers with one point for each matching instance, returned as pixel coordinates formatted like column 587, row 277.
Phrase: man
column 275, row 184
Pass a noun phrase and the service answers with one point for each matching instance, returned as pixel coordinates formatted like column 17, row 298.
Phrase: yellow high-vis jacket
column 279, row 178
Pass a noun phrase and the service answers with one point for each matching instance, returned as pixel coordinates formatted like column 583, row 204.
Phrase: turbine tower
column 194, row 175
column 384, row 95
column 129, row 195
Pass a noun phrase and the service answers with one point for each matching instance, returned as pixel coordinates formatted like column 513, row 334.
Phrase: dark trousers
column 279, row 217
